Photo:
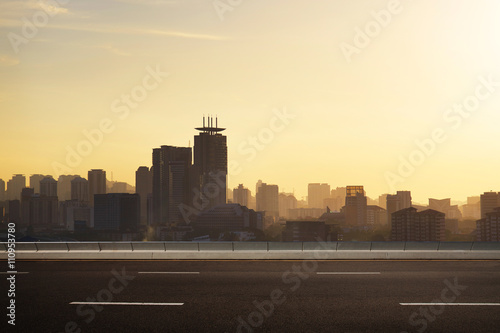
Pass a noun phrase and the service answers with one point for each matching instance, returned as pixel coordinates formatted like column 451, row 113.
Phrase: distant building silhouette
column 48, row 187
column 35, row 182
column 171, row 184
column 2, row 191
column 444, row 206
column 396, row 202
column 64, row 187
column 409, row 225
column 488, row 228
column 472, row 210
column 268, row 201
column 338, row 199
column 286, row 202
column 316, row 193
column 117, row 212
column 355, row 206
column 97, row 183
column 489, row 201
column 14, row 212
column 304, row 213
column 306, row 231
column 376, row 215
column 80, row 190
column 210, row 162
column 229, row 217
column 15, row 186
column 39, row 211
column 144, row 187
column 75, row 215
column 241, row 195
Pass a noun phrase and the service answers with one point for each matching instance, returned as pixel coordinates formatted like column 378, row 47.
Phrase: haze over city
column 357, row 102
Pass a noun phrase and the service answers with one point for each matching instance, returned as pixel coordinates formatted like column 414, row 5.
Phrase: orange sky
column 366, row 85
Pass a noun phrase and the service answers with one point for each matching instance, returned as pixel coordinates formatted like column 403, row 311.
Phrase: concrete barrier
column 216, row 246
column 84, row 247
column 486, row 246
column 285, row 246
column 421, row 246
column 52, row 246
column 455, row 246
column 320, row 246
column 28, row 247
column 148, row 246
column 255, row 251
column 388, row 246
column 115, row 246
column 181, row 246
column 250, row 246
column 354, row 246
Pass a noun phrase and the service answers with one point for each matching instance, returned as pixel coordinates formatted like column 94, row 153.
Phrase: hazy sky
column 359, row 101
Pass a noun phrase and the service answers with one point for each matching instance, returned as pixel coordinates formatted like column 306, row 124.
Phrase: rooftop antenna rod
column 203, row 120
column 215, row 121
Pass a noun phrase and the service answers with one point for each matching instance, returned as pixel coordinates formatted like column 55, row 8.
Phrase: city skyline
column 355, row 111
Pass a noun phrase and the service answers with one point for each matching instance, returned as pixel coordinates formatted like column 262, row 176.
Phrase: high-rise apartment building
column 35, row 182
column 316, row 193
column 15, row 186
column 210, row 162
column 2, row 190
column 355, row 206
column 489, row 201
column 117, row 211
column 143, row 187
column 286, row 202
column 488, row 228
column 64, row 187
column 396, row 202
column 409, row 225
column 171, row 185
column 97, row 183
column 80, row 190
column 241, row 195
column 268, row 200
column 48, row 187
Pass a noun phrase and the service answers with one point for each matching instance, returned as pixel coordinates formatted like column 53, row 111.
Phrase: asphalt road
column 258, row 296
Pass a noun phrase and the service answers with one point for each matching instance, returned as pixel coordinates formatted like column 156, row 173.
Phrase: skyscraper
column 35, row 182
column 489, row 201
column 15, row 186
column 117, row 211
column 210, row 163
column 355, row 206
column 241, row 195
column 64, row 187
column 80, row 189
column 2, row 190
column 143, row 187
column 286, row 201
column 97, row 183
column 316, row 193
column 171, row 183
column 268, row 200
column 48, row 187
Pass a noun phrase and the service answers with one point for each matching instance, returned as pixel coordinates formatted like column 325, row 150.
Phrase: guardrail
column 255, row 250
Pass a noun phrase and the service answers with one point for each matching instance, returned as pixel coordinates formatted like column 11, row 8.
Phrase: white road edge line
column 123, row 303
column 457, row 304
column 348, row 273
column 168, row 272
